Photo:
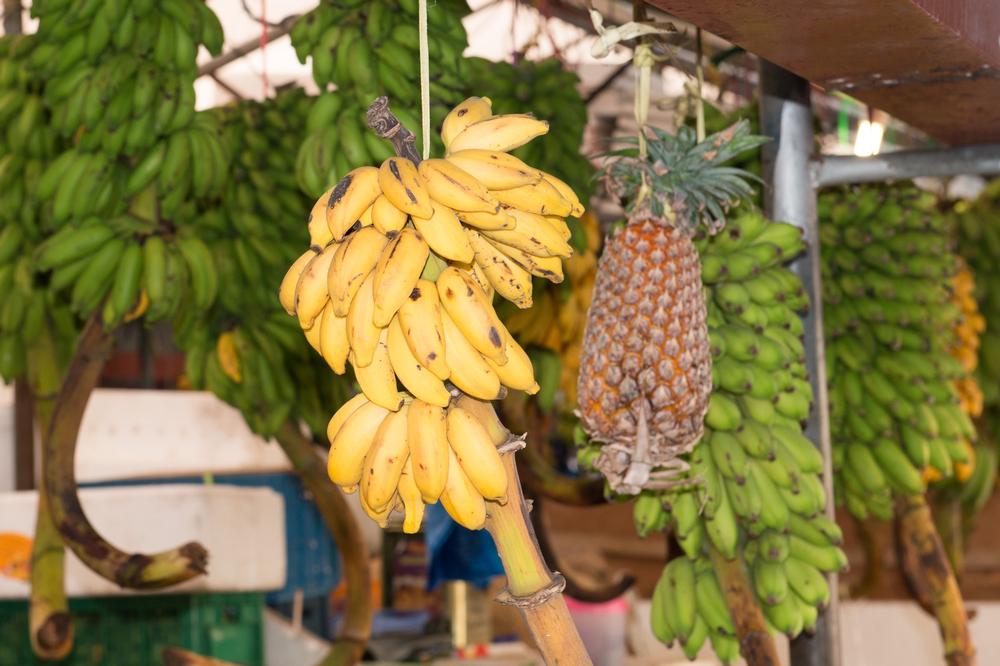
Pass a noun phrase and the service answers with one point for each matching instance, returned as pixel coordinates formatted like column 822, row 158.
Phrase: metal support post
column 905, row 164
column 12, row 17
column 786, row 117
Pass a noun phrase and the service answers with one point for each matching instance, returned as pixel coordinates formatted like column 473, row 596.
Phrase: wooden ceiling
column 934, row 64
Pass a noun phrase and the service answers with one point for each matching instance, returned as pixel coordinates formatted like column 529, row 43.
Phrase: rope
column 643, row 59
column 263, row 48
column 699, row 102
column 425, row 81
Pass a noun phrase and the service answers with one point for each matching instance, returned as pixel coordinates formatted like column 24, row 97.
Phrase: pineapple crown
column 681, row 180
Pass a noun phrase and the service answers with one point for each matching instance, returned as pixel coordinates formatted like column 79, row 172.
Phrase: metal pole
column 906, row 164
column 12, row 17
column 786, row 116
column 249, row 46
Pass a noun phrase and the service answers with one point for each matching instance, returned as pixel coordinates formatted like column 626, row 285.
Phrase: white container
column 7, row 466
column 243, row 530
column 136, row 434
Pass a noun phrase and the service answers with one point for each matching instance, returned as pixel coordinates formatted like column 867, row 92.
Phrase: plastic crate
column 132, row 631
column 312, row 560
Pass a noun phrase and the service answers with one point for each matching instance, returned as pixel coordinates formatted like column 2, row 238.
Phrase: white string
column 425, row 81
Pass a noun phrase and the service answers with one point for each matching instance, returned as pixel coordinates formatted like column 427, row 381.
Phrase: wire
column 258, row 19
column 425, row 81
column 263, row 48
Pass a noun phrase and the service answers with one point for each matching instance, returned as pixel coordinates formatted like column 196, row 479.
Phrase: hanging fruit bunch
column 399, row 278
column 26, row 148
column 366, row 49
column 552, row 92
column 895, row 411
column 120, row 88
column 889, row 318
column 755, row 497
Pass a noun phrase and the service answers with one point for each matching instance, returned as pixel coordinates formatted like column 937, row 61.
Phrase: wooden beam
column 12, row 17
column 249, row 46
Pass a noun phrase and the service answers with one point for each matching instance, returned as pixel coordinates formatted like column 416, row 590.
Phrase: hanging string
column 699, row 101
column 425, row 81
column 263, row 48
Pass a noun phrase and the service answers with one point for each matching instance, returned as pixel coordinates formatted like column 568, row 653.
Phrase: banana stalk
column 174, row 656
column 355, row 629
column 51, row 625
column 924, row 555
column 131, row 570
column 756, row 644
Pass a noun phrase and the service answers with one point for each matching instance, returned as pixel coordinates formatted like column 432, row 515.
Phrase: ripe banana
column 362, row 333
column 443, row 233
column 517, row 373
column 428, row 439
column 420, row 322
column 532, row 234
column 341, row 415
column 495, row 170
column 311, row 293
column 413, row 503
column 499, row 133
column 386, row 217
column 396, row 274
column 460, row 498
column 417, row 379
column 470, row 309
column 404, row 187
column 385, row 460
column 286, row 293
column 469, row 370
column 451, row 186
column 350, row 198
column 468, row 112
column 377, row 379
column 350, row 445
column 477, row 454
column 540, row 197
column 333, row 344
column 355, row 258
column 503, row 273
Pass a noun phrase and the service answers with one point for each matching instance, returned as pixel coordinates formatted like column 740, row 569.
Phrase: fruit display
column 120, row 87
column 890, row 322
column 551, row 91
column 754, row 492
column 645, row 370
column 398, row 280
column 368, row 49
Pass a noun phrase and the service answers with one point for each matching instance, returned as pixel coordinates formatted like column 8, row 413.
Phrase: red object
column 263, row 47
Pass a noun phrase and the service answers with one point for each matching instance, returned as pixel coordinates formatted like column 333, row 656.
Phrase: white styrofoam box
column 133, row 434
column 6, row 438
column 872, row 633
column 242, row 528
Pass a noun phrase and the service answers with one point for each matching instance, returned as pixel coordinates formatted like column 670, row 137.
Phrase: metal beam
column 249, row 46
column 786, row 116
column 905, row 164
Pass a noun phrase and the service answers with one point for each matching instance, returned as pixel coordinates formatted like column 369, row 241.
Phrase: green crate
column 131, row 631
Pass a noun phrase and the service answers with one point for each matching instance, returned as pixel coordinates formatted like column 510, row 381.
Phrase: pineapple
column 645, row 371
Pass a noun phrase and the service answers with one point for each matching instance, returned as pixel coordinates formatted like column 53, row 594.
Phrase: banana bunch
column 369, row 49
column 552, row 92
column 399, row 280
column 554, row 325
column 894, row 408
column 755, row 488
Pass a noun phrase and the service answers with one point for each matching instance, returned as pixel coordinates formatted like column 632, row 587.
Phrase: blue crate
column 313, row 564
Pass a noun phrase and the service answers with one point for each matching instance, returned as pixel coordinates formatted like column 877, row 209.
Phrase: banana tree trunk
column 51, row 625
column 756, row 644
column 131, row 570
column 924, row 556
column 355, row 629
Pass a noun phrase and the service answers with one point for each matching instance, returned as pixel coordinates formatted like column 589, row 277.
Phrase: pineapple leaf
column 683, row 181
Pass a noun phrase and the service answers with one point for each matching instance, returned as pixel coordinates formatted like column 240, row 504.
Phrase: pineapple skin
column 645, row 352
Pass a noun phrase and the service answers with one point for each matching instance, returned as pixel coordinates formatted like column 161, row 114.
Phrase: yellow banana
column 417, row 379
column 385, row 460
column 533, row 235
column 566, row 192
column 404, row 187
column 381, row 517
column 495, row 170
column 362, row 333
column 550, row 268
column 517, row 373
column 477, row 454
column 413, row 504
column 314, row 334
column 469, row 371
column 377, row 379
column 487, row 416
column 286, row 292
column 473, row 313
column 333, row 344
column 311, row 293
column 350, row 198
column 387, row 218
column 396, row 273
column 559, row 224
column 354, row 260
column 229, row 359
column 456, row 189
column 319, row 230
column 476, row 271
column 498, row 220
column 350, row 445
column 366, row 217
column 499, row 133
column 510, row 280
column 428, row 438
column 460, row 498
column 443, row 233
column 470, row 111
column 541, row 197
column 420, row 322
column 344, row 413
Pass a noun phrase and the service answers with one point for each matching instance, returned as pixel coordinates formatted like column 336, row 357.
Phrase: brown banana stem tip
column 388, row 126
column 756, row 644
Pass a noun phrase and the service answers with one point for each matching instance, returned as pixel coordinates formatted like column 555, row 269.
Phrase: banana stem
column 925, row 555
column 51, row 625
column 387, row 126
column 355, row 629
column 756, row 644
column 135, row 570
column 174, row 656
column 531, row 587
